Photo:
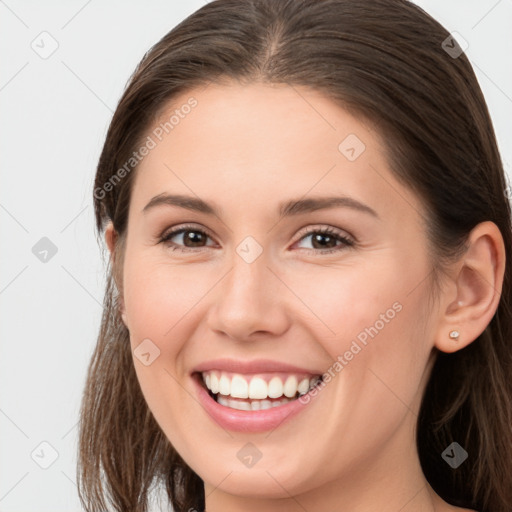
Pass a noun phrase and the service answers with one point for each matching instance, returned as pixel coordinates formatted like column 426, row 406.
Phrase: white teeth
column 290, row 386
column 223, row 400
column 254, row 405
column 303, row 386
column 239, row 386
column 257, row 388
column 265, row 404
column 242, row 406
column 275, row 387
column 224, row 385
column 214, row 383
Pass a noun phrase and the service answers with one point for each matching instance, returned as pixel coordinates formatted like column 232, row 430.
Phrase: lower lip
column 246, row 421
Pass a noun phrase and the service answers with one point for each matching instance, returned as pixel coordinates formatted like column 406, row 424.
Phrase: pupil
column 193, row 236
column 319, row 236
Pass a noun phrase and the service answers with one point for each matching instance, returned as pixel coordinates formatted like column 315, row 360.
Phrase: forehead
column 253, row 143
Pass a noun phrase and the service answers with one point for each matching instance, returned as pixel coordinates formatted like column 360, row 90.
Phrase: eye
column 189, row 235
column 324, row 241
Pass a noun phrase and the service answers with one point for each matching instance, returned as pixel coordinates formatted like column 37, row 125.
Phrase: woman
column 308, row 306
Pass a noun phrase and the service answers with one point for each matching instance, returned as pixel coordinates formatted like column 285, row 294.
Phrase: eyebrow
column 286, row 209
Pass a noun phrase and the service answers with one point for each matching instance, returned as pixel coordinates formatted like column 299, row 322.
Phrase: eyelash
column 346, row 242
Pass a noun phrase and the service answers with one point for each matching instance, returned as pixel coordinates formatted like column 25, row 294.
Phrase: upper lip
column 254, row 366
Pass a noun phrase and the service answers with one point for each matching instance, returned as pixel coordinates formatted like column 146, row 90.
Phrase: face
column 273, row 289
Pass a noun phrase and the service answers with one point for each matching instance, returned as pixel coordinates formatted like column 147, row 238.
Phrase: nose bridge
column 248, row 297
column 248, row 283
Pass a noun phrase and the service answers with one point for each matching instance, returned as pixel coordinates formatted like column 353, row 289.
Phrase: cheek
column 383, row 357
column 157, row 296
column 373, row 326
column 345, row 303
column 159, row 299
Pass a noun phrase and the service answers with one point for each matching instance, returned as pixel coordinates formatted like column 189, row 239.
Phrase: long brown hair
column 388, row 62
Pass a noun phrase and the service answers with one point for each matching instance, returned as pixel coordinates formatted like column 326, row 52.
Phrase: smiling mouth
column 255, row 392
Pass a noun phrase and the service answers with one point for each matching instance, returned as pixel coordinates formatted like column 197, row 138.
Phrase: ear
column 111, row 237
column 471, row 299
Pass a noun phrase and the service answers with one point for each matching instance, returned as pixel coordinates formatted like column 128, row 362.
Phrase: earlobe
column 477, row 289
column 110, row 237
column 123, row 312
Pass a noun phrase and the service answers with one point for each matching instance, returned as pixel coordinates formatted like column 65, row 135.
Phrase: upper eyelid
column 180, row 228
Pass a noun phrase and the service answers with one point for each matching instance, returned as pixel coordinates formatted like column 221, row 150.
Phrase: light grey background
column 54, row 116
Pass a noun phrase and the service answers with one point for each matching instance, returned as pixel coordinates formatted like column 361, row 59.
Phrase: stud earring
column 454, row 335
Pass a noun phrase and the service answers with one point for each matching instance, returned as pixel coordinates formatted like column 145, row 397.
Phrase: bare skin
column 246, row 149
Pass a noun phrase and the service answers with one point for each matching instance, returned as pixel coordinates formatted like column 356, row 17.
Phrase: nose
column 250, row 300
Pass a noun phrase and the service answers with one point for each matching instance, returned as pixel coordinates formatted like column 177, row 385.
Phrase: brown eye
column 186, row 238
column 191, row 238
column 327, row 240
